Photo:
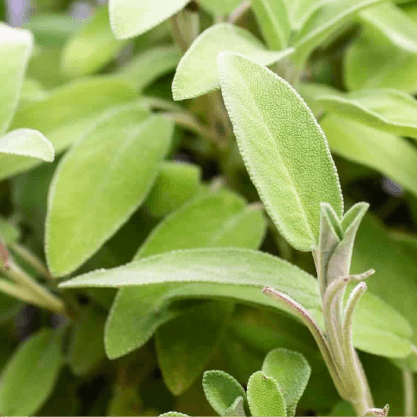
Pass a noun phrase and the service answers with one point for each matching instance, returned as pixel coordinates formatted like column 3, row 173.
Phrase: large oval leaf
column 30, row 375
column 130, row 18
column 284, row 149
column 15, row 48
column 118, row 161
column 219, row 7
column 197, row 71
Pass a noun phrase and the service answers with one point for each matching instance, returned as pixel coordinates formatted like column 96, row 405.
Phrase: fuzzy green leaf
column 227, row 223
column 391, row 155
column 121, row 153
column 177, row 182
column 15, row 48
column 219, row 7
column 385, row 54
column 130, row 18
column 173, row 414
column 291, row 371
column 197, row 72
column 237, row 408
column 92, row 47
column 275, row 132
column 30, row 375
column 265, row 397
column 221, row 390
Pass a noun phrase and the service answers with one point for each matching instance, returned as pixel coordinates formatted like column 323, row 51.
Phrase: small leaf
column 265, row 397
column 237, row 408
column 197, row 72
column 275, row 131
column 30, row 375
column 173, row 414
column 132, row 17
column 88, row 50
column 177, row 182
column 219, row 7
column 15, row 48
column 221, row 390
column 391, row 155
column 121, row 153
column 185, row 344
column 291, row 371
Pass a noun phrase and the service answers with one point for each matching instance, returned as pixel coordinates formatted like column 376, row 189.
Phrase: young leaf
column 130, row 18
column 177, row 182
column 173, row 414
column 121, row 153
column 219, row 7
column 385, row 54
column 92, row 47
column 273, row 19
column 185, row 344
column 275, row 132
column 197, row 72
column 237, row 408
column 221, row 390
column 15, row 48
column 30, row 375
column 391, row 155
column 291, row 371
column 265, row 397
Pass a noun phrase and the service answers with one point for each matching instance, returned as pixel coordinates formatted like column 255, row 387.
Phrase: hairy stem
column 409, row 393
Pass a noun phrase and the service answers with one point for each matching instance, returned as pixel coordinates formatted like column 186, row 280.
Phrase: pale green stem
column 160, row 103
column 409, row 393
column 19, row 292
column 239, row 11
column 31, row 259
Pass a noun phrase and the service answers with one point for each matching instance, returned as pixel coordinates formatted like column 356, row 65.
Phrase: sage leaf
column 237, row 408
column 15, row 48
column 291, row 371
column 219, row 7
column 197, row 72
column 275, row 132
column 177, row 182
column 221, row 390
column 173, row 414
column 391, row 155
column 130, row 18
column 96, row 173
column 30, row 375
column 385, row 54
column 265, row 397
column 92, row 47
column 273, row 19
column 185, row 344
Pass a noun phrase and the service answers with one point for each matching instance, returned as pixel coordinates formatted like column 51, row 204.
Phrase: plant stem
column 31, row 259
column 409, row 393
column 239, row 11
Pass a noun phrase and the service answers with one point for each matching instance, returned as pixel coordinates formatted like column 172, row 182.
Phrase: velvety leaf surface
column 237, row 408
column 276, row 132
column 385, row 54
column 265, row 397
column 177, row 182
column 391, row 155
column 221, row 390
column 99, row 170
column 219, row 7
column 291, row 371
column 197, row 72
column 184, row 345
column 131, row 17
column 92, row 47
column 30, row 375
column 15, row 48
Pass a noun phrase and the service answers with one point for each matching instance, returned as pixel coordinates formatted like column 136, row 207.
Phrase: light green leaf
column 300, row 10
column 392, row 111
column 385, row 54
column 121, row 153
column 391, row 155
column 237, row 408
column 265, row 397
column 173, row 414
column 30, row 375
column 197, row 72
column 185, row 344
column 273, row 19
column 149, row 65
column 227, row 223
column 15, row 48
column 291, row 371
column 324, row 21
column 275, row 132
column 87, row 347
column 92, row 47
column 130, row 18
column 177, row 182
column 221, row 390
column 9, row 232
column 219, row 7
